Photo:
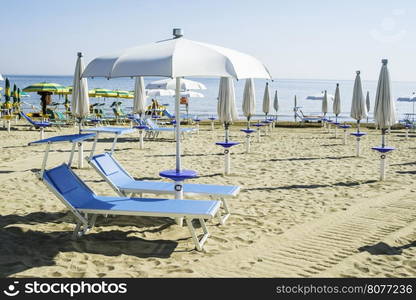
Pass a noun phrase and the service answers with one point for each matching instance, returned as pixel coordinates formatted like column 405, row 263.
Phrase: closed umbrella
column 177, row 58
column 384, row 113
column 80, row 105
column 324, row 108
column 1, row 78
column 227, row 113
column 7, row 106
column 139, row 103
column 358, row 109
column 276, row 103
column 367, row 104
column 295, row 109
column 336, row 107
column 249, row 108
column 266, row 106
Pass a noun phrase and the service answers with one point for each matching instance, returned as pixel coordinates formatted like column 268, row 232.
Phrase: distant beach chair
column 124, row 184
column 155, row 129
column 82, row 202
column 307, row 118
column 37, row 124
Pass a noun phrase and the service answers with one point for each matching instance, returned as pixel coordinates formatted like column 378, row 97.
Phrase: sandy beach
column 307, row 208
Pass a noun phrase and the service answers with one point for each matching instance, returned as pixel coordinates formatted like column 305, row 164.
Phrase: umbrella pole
column 80, row 147
column 178, row 184
column 227, row 158
column 248, row 136
column 358, row 139
column 383, row 156
column 336, row 121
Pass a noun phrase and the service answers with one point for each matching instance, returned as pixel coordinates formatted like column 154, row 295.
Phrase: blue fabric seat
column 80, row 199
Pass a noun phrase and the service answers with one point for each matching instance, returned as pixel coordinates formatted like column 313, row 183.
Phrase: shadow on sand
column 23, row 249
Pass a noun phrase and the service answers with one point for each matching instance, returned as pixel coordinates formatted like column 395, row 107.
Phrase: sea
column 206, row 107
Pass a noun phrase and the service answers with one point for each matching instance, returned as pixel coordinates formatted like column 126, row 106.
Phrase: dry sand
column 308, row 207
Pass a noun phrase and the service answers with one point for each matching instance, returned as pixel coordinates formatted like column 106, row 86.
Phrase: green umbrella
column 14, row 93
column 7, row 91
column 45, row 90
column 105, row 93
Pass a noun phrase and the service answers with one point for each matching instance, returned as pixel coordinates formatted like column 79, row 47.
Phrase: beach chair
column 37, row 124
column 154, row 129
column 124, row 184
column 308, row 118
column 86, row 205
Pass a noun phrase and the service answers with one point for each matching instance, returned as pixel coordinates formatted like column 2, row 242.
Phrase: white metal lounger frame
column 85, row 224
column 127, row 193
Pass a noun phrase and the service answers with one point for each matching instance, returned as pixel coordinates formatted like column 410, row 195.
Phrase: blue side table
column 358, row 135
column 383, row 156
column 179, row 177
column 345, row 127
column 248, row 137
column 258, row 125
column 227, row 155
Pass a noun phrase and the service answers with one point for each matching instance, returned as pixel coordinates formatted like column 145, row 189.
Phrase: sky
column 296, row 39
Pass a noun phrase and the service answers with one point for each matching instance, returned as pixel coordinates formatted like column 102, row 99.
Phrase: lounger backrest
column 68, row 185
column 27, row 118
column 110, row 169
column 151, row 124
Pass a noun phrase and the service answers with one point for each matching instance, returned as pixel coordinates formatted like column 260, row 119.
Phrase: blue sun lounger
column 124, row 184
column 82, row 202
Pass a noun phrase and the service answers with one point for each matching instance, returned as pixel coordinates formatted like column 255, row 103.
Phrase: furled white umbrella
column 367, row 104
column 177, row 58
column 358, row 109
column 276, row 103
column 324, row 108
column 160, row 93
column 384, row 113
column 1, row 78
column 170, row 83
column 266, row 106
column 336, row 107
column 249, row 108
column 139, row 104
column 80, row 104
column 227, row 113
column 295, row 108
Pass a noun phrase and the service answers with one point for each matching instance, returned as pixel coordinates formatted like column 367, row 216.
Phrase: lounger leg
column 223, row 218
column 199, row 243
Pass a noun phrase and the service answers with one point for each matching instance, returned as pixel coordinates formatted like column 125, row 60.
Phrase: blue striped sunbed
column 124, row 184
column 82, row 202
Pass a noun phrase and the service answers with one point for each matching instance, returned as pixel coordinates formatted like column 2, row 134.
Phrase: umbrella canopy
column 160, row 93
column 178, row 57
column 80, row 101
column 276, row 102
column 337, row 102
column 266, row 99
column 192, row 94
column 358, row 105
column 14, row 93
column 170, row 84
column 139, row 102
column 384, row 109
column 122, row 94
column 46, row 87
column 67, row 90
column 227, row 112
column 24, row 94
column 325, row 103
column 367, row 102
column 105, row 93
column 412, row 98
column 320, row 97
column 249, row 99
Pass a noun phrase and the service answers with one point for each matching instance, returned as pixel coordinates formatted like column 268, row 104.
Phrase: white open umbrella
column 160, row 93
column 227, row 112
column 249, row 107
column 384, row 113
column 358, row 109
column 170, row 83
column 177, row 58
column 192, row 94
column 139, row 103
column 80, row 104
column 411, row 99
